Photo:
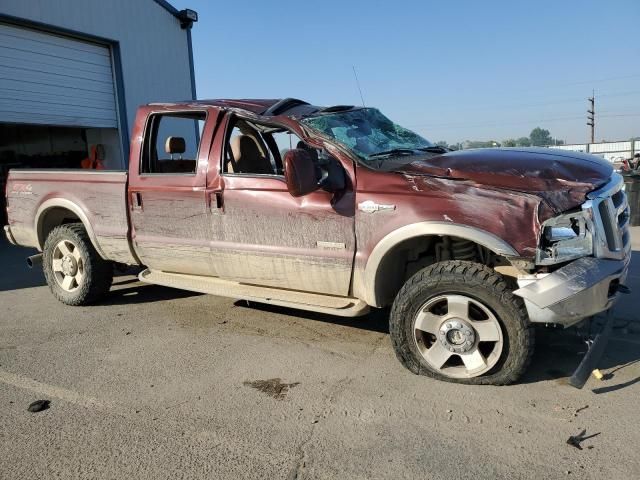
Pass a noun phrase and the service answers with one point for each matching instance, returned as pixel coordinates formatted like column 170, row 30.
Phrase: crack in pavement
column 51, row 390
column 301, row 461
column 302, row 455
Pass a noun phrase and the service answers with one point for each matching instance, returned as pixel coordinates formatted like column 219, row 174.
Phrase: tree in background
column 540, row 137
column 480, row 144
column 452, row 146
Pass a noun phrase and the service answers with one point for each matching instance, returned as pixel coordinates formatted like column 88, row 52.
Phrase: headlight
column 565, row 238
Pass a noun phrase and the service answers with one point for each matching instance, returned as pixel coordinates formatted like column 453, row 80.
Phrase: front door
column 168, row 208
column 270, row 237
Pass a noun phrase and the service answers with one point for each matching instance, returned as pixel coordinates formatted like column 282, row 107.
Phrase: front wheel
column 75, row 272
column 460, row 322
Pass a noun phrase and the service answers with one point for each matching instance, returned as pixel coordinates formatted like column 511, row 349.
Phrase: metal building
column 615, row 152
column 73, row 72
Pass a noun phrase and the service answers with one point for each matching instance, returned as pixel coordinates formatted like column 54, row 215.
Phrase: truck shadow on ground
column 375, row 321
column 22, row 278
column 139, row 293
column 558, row 352
column 17, row 275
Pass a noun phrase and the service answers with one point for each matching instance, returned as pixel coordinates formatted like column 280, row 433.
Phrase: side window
column 246, row 151
column 172, row 142
column 259, row 149
column 285, row 141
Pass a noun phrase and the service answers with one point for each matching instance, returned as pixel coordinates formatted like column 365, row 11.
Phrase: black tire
column 97, row 272
column 481, row 284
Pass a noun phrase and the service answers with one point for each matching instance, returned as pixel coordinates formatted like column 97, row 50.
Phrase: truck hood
column 562, row 178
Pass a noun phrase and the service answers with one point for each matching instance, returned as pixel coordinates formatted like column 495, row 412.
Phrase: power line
column 620, row 115
column 571, row 84
column 524, row 122
column 358, row 84
column 537, row 104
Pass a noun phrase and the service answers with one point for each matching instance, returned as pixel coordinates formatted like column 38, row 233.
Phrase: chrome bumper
column 7, row 232
column 582, row 288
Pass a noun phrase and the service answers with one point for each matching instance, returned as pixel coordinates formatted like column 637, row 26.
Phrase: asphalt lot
column 158, row 383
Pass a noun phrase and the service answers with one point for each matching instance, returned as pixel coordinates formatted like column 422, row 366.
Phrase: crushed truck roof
column 290, row 107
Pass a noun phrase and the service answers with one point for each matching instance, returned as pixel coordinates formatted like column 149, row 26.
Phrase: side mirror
column 300, row 172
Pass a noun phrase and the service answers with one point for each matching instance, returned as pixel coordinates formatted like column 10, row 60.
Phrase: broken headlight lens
column 565, row 238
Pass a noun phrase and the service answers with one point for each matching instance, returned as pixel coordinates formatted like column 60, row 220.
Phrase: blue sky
column 450, row 70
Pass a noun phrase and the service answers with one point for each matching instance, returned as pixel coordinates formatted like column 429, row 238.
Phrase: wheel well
column 412, row 255
column 52, row 218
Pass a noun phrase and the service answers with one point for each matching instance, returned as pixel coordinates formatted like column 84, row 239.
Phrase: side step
column 333, row 305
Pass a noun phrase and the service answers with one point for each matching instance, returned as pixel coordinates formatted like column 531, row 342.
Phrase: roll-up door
column 48, row 79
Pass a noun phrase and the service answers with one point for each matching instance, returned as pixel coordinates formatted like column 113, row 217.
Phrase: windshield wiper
column 434, row 149
column 394, row 151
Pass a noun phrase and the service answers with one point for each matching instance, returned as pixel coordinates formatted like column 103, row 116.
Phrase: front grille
column 610, row 211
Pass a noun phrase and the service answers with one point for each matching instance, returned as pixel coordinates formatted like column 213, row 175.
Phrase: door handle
column 216, row 201
column 136, row 201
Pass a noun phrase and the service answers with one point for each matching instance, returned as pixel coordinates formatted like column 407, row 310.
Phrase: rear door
column 270, row 237
column 167, row 201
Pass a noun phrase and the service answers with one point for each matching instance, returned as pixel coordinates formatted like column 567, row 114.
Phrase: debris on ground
column 576, row 440
column 38, row 406
column 578, row 410
column 598, row 374
column 272, row 387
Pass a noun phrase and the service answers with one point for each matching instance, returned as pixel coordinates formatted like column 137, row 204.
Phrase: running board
column 333, row 305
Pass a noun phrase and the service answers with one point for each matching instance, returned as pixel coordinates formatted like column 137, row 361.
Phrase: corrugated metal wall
column 154, row 50
column 610, row 147
column 52, row 80
column 612, row 151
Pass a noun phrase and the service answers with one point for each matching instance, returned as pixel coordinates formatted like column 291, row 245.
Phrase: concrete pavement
column 158, row 383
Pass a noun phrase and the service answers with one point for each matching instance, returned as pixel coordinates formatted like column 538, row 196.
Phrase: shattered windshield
column 368, row 133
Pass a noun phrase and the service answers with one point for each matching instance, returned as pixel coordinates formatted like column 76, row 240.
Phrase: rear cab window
column 172, row 143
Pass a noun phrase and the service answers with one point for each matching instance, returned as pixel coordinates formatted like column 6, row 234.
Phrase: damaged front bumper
column 580, row 289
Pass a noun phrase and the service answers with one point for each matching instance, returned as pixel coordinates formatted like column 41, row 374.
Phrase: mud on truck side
column 339, row 210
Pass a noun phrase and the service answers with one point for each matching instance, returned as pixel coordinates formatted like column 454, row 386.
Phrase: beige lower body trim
column 333, row 305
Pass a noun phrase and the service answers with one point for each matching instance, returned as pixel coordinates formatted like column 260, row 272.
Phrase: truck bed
column 39, row 199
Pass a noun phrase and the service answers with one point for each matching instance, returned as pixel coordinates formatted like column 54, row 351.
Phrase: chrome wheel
column 68, row 266
column 458, row 336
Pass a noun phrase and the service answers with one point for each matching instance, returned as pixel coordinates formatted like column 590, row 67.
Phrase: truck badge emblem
column 369, row 206
column 22, row 189
column 330, row 245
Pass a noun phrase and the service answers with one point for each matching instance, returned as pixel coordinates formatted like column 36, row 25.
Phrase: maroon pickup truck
column 338, row 210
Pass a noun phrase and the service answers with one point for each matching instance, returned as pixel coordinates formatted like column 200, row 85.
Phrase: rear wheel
column 75, row 272
column 460, row 322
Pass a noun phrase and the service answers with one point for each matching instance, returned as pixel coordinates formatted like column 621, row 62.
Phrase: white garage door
column 53, row 80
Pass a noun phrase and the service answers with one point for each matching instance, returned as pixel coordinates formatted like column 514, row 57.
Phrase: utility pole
column 591, row 118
